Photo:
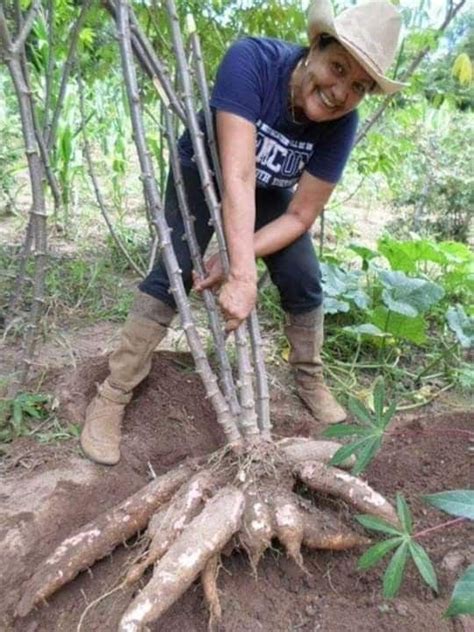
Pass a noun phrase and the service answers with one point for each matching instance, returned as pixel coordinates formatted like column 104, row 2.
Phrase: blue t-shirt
column 253, row 82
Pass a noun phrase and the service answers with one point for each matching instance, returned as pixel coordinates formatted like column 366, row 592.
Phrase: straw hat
column 368, row 31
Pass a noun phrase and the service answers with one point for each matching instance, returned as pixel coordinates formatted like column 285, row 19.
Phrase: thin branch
column 26, row 28
column 209, row 298
column 95, row 184
column 51, row 127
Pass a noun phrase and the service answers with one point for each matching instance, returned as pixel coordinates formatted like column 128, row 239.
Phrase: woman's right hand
column 237, row 299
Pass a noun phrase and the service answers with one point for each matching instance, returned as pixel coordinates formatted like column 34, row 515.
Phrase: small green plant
column 403, row 539
column 18, row 415
column 460, row 503
column 369, row 429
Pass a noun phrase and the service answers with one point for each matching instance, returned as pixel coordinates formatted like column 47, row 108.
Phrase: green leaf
column 404, row 514
column 394, row 574
column 377, row 524
column 334, row 306
column 373, row 555
column 366, row 454
column 344, row 430
column 462, row 325
column 366, row 329
column 423, row 564
column 379, row 397
column 408, row 296
column 459, row 502
column 346, row 451
column 402, row 327
column 359, row 411
column 388, row 414
column 462, row 599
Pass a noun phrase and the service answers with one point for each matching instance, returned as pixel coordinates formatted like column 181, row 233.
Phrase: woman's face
column 330, row 83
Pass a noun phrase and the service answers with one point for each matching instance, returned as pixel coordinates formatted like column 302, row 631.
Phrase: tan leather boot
column 305, row 333
column 129, row 364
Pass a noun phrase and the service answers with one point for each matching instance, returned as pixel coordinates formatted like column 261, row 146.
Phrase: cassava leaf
column 359, row 411
column 459, row 502
column 366, row 453
column 394, row 574
column 346, row 451
column 379, row 397
column 404, row 514
column 373, row 555
column 378, row 524
column 423, row 564
column 462, row 599
column 344, row 430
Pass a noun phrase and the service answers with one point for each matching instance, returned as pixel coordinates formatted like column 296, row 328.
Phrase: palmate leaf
column 346, row 451
column 379, row 397
column 462, row 599
column 366, row 454
column 387, row 416
column 378, row 524
column 459, row 502
column 373, row 555
column 359, row 411
column 423, row 564
column 345, row 430
column 404, row 514
column 393, row 575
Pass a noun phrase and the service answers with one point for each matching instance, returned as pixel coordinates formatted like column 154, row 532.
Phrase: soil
column 48, row 491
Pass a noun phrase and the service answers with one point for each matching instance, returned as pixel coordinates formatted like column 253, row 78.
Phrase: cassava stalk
column 228, row 385
column 213, row 391
column 12, row 55
column 248, row 419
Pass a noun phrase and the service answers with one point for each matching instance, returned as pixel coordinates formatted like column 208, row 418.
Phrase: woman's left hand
column 214, row 275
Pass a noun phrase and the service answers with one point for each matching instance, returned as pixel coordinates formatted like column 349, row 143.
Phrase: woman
column 285, row 115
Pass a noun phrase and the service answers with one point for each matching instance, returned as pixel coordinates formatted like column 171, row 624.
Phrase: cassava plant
column 403, row 541
column 242, row 496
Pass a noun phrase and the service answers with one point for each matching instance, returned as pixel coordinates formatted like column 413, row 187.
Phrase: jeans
column 293, row 269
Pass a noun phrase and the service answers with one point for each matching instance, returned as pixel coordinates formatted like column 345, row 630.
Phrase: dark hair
column 325, row 39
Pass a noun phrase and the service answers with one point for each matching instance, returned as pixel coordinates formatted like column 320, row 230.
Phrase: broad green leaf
column 423, row 564
column 345, row 430
column 377, row 524
column 379, row 397
column 404, row 514
column 359, row 411
column 408, row 296
column 393, row 575
column 376, row 553
column 365, row 253
column 459, row 502
column 334, row 306
column 462, row 325
column 462, row 599
column 401, row 327
column 366, row 454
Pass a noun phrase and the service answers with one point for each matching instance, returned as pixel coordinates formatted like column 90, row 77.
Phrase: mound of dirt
column 169, row 420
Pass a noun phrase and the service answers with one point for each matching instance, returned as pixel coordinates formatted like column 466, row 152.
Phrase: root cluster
column 194, row 515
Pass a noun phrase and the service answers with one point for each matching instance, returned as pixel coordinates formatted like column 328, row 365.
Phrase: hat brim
column 321, row 20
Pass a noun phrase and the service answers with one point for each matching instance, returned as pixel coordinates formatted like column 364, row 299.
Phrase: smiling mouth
column 326, row 101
